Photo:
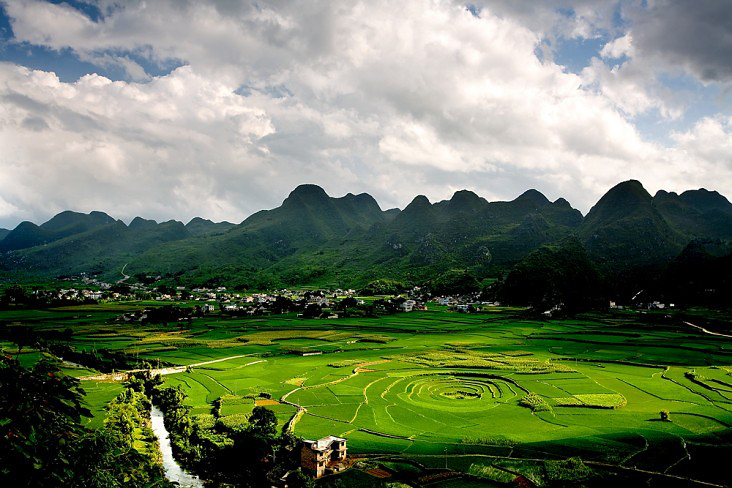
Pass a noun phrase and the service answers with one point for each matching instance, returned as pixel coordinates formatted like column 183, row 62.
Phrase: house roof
column 324, row 443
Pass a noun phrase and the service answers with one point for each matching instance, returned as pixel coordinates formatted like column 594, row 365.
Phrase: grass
column 414, row 384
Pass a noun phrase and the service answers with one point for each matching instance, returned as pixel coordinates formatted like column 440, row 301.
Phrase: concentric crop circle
column 455, row 392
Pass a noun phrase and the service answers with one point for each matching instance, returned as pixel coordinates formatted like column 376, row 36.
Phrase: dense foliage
column 349, row 242
column 555, row 277
column 701, row 274
column 42, row 441
column 253, row 454
column 455, row 282
column 383, row 287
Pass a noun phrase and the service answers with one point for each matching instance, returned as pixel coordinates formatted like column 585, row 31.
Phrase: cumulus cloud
column 710, row 142
column 124, row 146
column 694, row 36
column 395, row 99
column 553, row 19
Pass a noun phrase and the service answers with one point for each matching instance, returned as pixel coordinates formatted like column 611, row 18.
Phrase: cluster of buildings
column 220, row 299
column 465, row 304
column 652, row 305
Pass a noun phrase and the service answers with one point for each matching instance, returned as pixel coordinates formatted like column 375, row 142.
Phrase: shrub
column 489, row 441
column 234, row 421
column 491, row 473
column 535, row 403
column 572, row 469
column 205, row 420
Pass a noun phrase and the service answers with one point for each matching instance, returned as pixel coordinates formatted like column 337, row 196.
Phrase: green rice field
column 487, row 394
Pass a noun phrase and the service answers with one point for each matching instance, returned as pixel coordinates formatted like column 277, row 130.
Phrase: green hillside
column 62, row 225
column 314, row 239
column 625, row 230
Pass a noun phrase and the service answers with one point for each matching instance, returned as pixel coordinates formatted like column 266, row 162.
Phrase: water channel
column 173, row 471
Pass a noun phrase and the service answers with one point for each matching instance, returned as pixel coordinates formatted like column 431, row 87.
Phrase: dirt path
column 122, row 375
column 706, row 331
column 360, row 368
column 122, row 272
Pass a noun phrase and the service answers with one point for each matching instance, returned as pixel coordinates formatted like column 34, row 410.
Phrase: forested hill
column 316, row 239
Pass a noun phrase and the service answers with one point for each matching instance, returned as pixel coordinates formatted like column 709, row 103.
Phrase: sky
column 171, row 109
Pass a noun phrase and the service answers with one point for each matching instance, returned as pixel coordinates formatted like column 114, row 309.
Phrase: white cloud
column 632, row 86
column 391, row 98
column 617, row 48
column 124, row 147
column 710, row 143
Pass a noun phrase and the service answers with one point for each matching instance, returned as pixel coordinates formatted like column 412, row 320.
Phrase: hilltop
column 314, row 239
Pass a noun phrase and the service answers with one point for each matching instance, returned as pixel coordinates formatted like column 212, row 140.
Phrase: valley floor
column 495, row 395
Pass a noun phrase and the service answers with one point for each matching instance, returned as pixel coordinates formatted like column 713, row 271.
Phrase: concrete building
column 323, row 456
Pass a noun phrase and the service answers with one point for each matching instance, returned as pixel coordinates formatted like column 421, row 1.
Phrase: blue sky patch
column 66, row 63
column 576, row 54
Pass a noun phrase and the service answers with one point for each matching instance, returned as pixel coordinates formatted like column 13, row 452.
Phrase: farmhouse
column 324, row 455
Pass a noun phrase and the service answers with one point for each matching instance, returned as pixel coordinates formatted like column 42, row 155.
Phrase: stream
column 173, row 471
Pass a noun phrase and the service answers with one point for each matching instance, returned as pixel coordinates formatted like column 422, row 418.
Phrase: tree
column 145, row 382
column 281, row 304
column 560, row 275
column 14, row 294
column 455, row 282
column 103, row 460
column 312, row 311
column 170, row 401
column 40, row 416
column 665, row 415
column 263, row 422
column 42, row 441
column 383, row 287
column 298, row 479
column 348, row 302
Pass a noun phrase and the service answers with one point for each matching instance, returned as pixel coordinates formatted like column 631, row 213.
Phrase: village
column 311, row 304
column 308, row 304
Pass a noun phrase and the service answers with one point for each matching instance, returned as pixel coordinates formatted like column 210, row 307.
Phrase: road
column 122, row 375
column 706, row 331
column 122, row 272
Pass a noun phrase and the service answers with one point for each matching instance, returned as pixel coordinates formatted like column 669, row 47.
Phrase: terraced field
column 491, row 389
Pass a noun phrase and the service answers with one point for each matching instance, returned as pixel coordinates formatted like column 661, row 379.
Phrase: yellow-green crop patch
column 597, row 400
column 234, row 421
column 478, row 360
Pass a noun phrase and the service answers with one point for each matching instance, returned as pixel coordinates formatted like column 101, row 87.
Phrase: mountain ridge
column 313, row 237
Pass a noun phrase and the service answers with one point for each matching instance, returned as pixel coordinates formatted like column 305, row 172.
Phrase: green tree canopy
column 40, row 414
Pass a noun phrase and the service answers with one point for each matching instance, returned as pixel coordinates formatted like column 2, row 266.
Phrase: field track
column 122, row 375
column 706, row 331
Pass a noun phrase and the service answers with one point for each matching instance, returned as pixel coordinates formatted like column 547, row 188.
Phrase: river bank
column 173, row 471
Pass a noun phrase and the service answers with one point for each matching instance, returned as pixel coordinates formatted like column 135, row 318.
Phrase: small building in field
column 407, row 305
column 323, row 456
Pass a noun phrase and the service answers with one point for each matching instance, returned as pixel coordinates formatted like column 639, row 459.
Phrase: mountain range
column 315, row 239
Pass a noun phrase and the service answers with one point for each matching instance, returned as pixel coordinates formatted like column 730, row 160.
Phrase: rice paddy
column 431, row 383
